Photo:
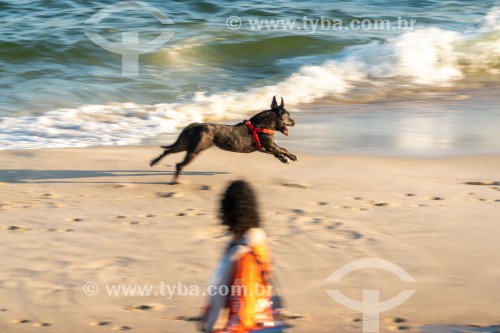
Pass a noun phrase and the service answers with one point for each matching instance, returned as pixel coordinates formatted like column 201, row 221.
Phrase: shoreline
column 434, row 125
column 453, row 123
column 74, row 215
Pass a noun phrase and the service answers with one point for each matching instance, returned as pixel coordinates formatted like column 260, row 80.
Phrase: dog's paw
column 281, row 158
column 153, row 162
column 293, row 157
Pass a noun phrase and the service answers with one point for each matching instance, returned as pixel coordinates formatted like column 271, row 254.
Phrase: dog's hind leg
column 200, row 140
column 177, row 147
column 157, row 159
column 179, row 166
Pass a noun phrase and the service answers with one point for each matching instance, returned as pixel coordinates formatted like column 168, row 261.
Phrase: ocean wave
column 421, row 59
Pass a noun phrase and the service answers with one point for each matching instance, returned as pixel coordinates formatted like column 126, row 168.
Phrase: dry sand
column 71, row 216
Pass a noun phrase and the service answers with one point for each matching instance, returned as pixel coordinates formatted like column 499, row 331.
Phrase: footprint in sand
column 292, row 316
column 189, row 212
column 436, row 198
column 334, row 225
column 380, row 204
column 484, row 183
column 298, row 211
column 122, row 186
column 121, row 328
column 349, row 234
column 123, row 261
column 355, row 235
column 18, row 228
column 148, row 223
column 99, row 323
column 20, row 321
column 65, row 230
column 168, row 195
column 58, row 230
column 294, row 185
column 205, row 188
column 141, row 307
column 400, row 324
column 6, row 205
column 192, row 212
column 41, row 325
column 133, row 223
column 183, row 318
column 401, row 327
column 74, row 219
column 396, row 320
column 321, row 203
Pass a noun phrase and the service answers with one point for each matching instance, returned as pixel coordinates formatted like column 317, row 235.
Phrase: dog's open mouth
column 284, row 130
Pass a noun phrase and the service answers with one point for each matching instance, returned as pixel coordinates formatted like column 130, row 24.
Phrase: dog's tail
column 180, row 140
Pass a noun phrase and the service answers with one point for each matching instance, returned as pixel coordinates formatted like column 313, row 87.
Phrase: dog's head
column 284, row 120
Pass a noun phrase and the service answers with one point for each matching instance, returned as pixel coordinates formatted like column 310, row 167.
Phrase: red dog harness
column 255, row 131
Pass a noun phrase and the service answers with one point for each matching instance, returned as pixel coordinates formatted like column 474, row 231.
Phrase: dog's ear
column 281, row 108
column 274, row 105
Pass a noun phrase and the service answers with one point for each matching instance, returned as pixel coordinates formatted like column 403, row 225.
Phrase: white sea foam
column 426, row 57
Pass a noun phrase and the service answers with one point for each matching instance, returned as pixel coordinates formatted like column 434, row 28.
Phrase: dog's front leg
column 290, row 155
column 281, row 157
column 280, row 153
column 272, row 148
column 283, row 151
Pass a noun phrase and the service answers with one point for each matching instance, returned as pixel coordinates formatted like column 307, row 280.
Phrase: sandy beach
column 395, row 106
column 101, row 215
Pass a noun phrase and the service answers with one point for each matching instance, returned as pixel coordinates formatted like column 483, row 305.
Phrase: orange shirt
column 249, row 303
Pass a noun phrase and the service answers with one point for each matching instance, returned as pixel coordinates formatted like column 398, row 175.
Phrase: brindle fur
column 236, row 138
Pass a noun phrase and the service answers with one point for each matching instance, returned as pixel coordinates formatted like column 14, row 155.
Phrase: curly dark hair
column 239, row 208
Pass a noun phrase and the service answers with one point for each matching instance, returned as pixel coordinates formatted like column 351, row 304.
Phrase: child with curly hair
column 244, row 271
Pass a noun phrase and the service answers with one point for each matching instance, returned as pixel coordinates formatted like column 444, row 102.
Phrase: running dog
column 256, row 134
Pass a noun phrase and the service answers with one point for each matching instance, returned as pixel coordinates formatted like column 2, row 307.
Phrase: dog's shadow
column 28, row 176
